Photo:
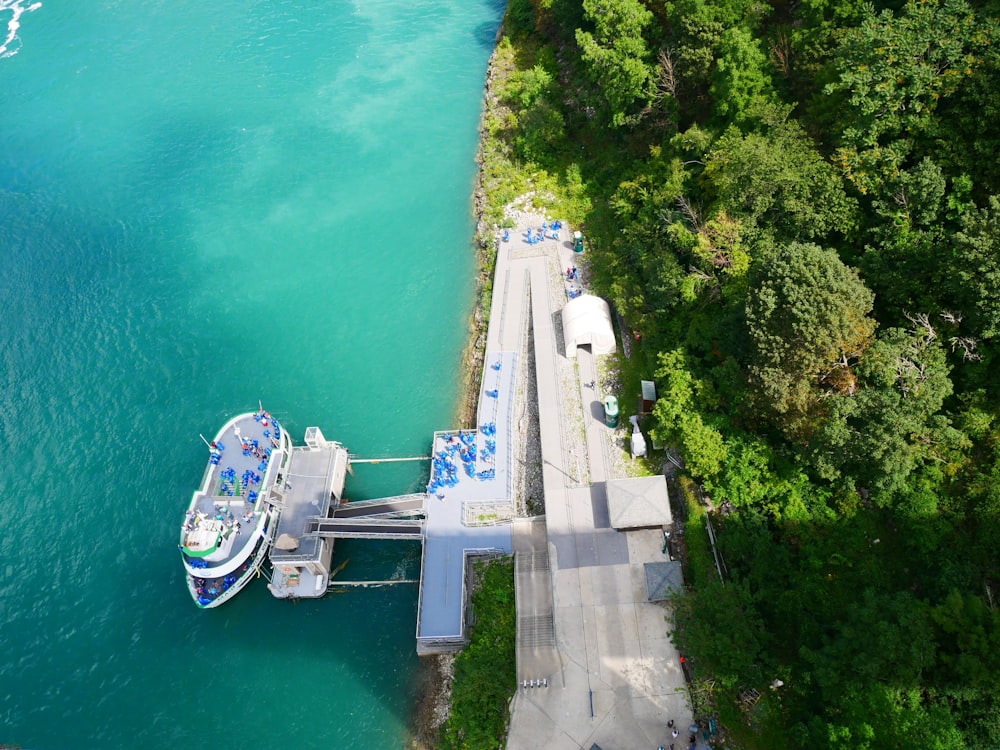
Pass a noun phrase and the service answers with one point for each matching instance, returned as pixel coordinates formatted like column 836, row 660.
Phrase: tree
column 540, row 123
column 807, row 323
column 616, row 55
column 892, row 72
column 775, row 177
column 678, row 417
column 969, row 632
column 721, row 624
column 879, row 435
column 742, row 75
column 976, row 270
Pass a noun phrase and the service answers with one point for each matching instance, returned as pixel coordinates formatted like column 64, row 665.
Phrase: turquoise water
column 203, row 205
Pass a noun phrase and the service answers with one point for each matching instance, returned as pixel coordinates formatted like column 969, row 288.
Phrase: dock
column 465, row 514
column 595, row 662
column 313, row 482
column 483, row 483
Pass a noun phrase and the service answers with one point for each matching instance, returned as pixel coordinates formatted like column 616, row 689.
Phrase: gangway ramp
column 366, row 528
column 399, row 505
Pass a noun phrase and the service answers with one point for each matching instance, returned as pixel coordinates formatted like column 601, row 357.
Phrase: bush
column 485, row 671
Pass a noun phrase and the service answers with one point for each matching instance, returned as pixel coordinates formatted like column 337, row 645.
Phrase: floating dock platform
column 313, row 482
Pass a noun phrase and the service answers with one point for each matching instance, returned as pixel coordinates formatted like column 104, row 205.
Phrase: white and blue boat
column 228, row 527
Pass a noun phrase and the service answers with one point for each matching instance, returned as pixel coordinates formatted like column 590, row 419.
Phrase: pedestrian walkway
column 471, row 469
column 596, row 655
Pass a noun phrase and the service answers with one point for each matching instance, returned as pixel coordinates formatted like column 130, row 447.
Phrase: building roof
column 587, row 320
column 638, row 502
column 663, row 579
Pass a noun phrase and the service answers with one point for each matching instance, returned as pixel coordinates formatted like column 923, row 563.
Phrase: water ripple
column 12, row 43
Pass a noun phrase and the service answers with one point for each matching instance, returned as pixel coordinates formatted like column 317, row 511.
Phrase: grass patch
column 758, row 727
column 485, row 672
column 698, row 559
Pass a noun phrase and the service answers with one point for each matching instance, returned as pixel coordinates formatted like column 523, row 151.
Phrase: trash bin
column 611, row 411
column 577, row 242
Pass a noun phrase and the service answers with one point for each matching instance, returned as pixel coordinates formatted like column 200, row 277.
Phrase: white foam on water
column 12, row 44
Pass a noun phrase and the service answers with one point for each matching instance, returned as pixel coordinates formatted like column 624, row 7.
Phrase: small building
column 315, row 478
column 639, row 503
column 587, row 320
column 648, row 396
column 663, row 579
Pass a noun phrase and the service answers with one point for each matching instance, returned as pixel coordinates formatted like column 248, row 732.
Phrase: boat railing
column 206, row 479
column 274, row 466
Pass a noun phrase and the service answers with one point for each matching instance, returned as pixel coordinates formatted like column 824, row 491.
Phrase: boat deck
column 229, row 512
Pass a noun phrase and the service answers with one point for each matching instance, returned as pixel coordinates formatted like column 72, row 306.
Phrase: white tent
column 587, row 320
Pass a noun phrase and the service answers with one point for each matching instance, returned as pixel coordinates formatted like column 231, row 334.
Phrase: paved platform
column 612, row 675
column 484, row 481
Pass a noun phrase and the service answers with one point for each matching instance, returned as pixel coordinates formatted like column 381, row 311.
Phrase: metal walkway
column 366, row 528
column 399, row 505
column 398, row 517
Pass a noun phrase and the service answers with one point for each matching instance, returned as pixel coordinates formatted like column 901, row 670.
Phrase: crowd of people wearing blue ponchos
column 545, row 232
column 460, row 452
column 208, row 589
column 266, row 419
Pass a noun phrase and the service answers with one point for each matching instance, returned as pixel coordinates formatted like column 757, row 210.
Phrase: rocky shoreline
column 436, row 673
column 433, row 704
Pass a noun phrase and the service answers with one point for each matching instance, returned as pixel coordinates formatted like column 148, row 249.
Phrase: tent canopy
column 287, row 542
column 587, row 320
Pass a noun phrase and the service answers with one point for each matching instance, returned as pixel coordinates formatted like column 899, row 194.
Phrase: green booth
column 611, row 411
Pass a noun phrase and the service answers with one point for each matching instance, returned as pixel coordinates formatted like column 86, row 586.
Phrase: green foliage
column 775, row 177
column 539, row 121
column 719, row 61
column 542, row 126
column 977, row 268
column 617, row 57
column 878, row 435
column 528, row 86
column 969, row 632
column 520, row 17
column 971, row 120
column 742, row 74
column 918, row 196
column 485, row 677
column 699, row 563
column 807, row 322
column 678, row 420
column 723, row 621
column 643, row 252
column 892, row 72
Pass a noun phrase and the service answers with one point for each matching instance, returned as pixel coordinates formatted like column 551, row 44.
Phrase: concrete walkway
column 612, row 675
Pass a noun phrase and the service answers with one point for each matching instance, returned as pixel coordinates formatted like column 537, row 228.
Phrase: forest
column 795, row 207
